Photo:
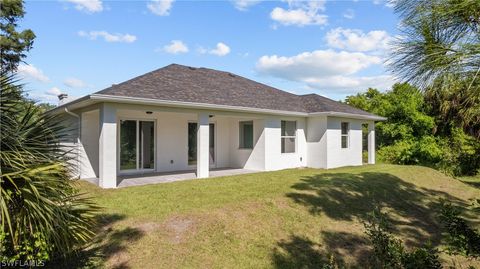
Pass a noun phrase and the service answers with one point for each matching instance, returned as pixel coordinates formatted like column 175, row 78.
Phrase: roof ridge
column 177, row 82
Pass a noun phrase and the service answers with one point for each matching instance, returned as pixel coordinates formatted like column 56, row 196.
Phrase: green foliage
column 425, row 257
column 403, row 107
column 415, row 132
column 389, row 252
column 426, row 150
column 460, row 237
column 13, row 43
column 455, row 102
column 32, row 248
column 387, row 249
column 41, row 212
column 440, row 37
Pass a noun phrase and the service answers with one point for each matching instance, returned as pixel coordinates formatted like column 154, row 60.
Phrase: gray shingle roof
column 316, row 103
column 202, row 85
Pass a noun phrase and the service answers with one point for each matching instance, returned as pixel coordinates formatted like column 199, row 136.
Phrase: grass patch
column 473, row 181
column 295, row 218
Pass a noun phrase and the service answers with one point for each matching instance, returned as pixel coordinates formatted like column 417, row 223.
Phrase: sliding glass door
column 137, row 145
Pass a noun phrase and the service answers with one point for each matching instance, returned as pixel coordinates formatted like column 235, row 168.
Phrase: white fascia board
column 348, row 115
column 93, row 98
column 148, row 101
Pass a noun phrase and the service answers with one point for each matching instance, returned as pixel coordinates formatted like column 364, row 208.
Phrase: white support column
column 108, row 146
column 371, row 142
column 203, row 146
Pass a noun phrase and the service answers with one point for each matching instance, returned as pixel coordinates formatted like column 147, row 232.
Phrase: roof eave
column 149, row 101
column 93, row 98
column 348, row 115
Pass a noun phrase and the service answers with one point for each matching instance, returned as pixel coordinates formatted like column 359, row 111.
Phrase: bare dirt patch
column 179, row 228
column 148, row 227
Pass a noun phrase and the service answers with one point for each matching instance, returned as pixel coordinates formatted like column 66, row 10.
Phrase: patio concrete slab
column 154, row 178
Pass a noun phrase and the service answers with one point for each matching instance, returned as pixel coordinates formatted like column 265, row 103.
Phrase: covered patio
column 165, row 177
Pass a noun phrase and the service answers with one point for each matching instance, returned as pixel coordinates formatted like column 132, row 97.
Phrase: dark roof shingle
column 202, row 85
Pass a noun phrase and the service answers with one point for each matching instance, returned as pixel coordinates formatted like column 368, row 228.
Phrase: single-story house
column 180, row 118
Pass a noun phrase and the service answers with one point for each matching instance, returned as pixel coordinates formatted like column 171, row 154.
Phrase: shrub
column 461, row 239
column 41, row 212
column 427, row 151
column 425, row 257
column 389, row 252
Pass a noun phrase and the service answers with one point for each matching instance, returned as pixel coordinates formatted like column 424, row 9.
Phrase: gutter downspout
column 78, row 140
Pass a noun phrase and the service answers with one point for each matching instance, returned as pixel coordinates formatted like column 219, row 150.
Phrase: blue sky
column 333, row 48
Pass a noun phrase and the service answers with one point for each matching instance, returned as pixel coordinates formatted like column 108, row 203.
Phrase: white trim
column 149, row 101
column 288, row 136
column 345, row 135
column 347, row 115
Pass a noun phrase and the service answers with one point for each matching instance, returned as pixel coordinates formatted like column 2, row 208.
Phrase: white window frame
column 347, row 135
column 288, row 136
column 240, row 135
column 137, row 142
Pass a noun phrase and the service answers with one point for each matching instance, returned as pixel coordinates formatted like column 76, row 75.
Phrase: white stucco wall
column 89, row 138
column 317, row 142
column 338, row 156
column 253, row 159
column 274, row 158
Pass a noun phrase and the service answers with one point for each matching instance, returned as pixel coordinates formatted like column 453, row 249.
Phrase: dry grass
column 286, row 219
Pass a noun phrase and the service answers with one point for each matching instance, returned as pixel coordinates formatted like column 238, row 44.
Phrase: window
column 137, row 145
column 288, row 134
column 345, row 133
column 246, row 134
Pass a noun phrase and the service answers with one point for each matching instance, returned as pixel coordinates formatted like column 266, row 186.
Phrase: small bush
column 425, row 257
column 460, row 238
column 389, row 252
column 32, row 247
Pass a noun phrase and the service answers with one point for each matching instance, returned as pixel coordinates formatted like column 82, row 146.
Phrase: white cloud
column 54, row 92
column 244, row 4
column 74, row 83
column 301, row 13
column 175, row 47
column 325, row 69
column 93, row 35
column 387, row 3
column 347, row 84
column 48, row 96
column 357, row 40
column 319, row 63
column 31, row 72
column 349, row 14
column 89, row 6
column 391, row 3
column 220, row 50
column 160, row 7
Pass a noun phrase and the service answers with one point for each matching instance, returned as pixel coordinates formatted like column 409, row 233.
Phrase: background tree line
column 433, row 118
column 422, row 128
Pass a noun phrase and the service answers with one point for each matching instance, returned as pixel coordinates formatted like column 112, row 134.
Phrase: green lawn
column 286, row 219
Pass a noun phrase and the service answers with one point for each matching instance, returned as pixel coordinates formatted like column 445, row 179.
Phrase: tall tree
column 439, row 52
column 440, row 37
column 13, row 43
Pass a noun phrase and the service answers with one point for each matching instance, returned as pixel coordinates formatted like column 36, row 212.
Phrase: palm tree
column 41, row 212
column 439, row 51
column 440, row 37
